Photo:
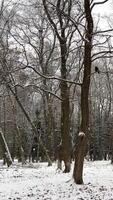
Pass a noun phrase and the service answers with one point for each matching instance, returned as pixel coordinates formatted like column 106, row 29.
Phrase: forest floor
column 38, row 181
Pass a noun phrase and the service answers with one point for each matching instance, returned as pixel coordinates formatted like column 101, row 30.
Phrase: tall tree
column 83, row 134
column 60, row 25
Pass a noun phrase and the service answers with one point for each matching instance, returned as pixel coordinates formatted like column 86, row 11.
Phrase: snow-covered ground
column 41, row 182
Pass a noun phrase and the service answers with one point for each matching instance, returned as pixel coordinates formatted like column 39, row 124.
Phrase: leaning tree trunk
column 80, row 152
column 5, row 149
column 30, row 122
column 18, row 135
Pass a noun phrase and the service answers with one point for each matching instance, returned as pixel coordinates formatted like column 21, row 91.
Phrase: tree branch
column 35, row 87
column 51, row 77
column 50, row 19
column 98, row 3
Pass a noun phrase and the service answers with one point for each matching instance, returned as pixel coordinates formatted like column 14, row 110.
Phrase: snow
column 81, row 134
column 38, row 181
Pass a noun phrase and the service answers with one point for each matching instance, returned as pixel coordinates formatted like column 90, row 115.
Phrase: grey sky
column 104, row 9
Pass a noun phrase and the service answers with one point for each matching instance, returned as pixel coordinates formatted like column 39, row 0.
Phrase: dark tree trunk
column 47, row 105
column 65, row 109
column 64, row 153
column 79, row 157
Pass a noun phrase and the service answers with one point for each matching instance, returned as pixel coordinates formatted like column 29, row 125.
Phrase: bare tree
column 60, row 25
column 83, row 134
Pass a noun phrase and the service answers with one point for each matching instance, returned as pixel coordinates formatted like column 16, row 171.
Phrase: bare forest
column 56, row 83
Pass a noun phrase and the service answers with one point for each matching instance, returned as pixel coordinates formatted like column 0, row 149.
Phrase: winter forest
column 56, row 99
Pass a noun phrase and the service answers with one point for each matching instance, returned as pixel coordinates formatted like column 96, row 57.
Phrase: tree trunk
column 79, row 157
column 5, row 149
column 64, row 153
column 65, row 108
column 22, row 157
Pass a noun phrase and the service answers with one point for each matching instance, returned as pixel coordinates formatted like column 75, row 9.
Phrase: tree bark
column 79, row 157
column 65, row 109
column 64, row 152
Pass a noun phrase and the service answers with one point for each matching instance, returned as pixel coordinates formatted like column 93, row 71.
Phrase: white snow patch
column 81, row 134
column 46, row 183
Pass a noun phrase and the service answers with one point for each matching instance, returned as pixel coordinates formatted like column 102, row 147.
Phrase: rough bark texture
column 65, row 108
column 79, row 157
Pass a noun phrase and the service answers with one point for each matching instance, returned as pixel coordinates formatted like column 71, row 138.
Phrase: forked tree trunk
column 5, row 149
column 64, row 153
column 79, row 157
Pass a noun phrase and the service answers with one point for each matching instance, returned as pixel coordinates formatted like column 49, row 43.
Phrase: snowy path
column 45, row 183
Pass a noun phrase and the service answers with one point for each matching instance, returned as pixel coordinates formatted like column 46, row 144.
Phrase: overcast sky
column 104, row 9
